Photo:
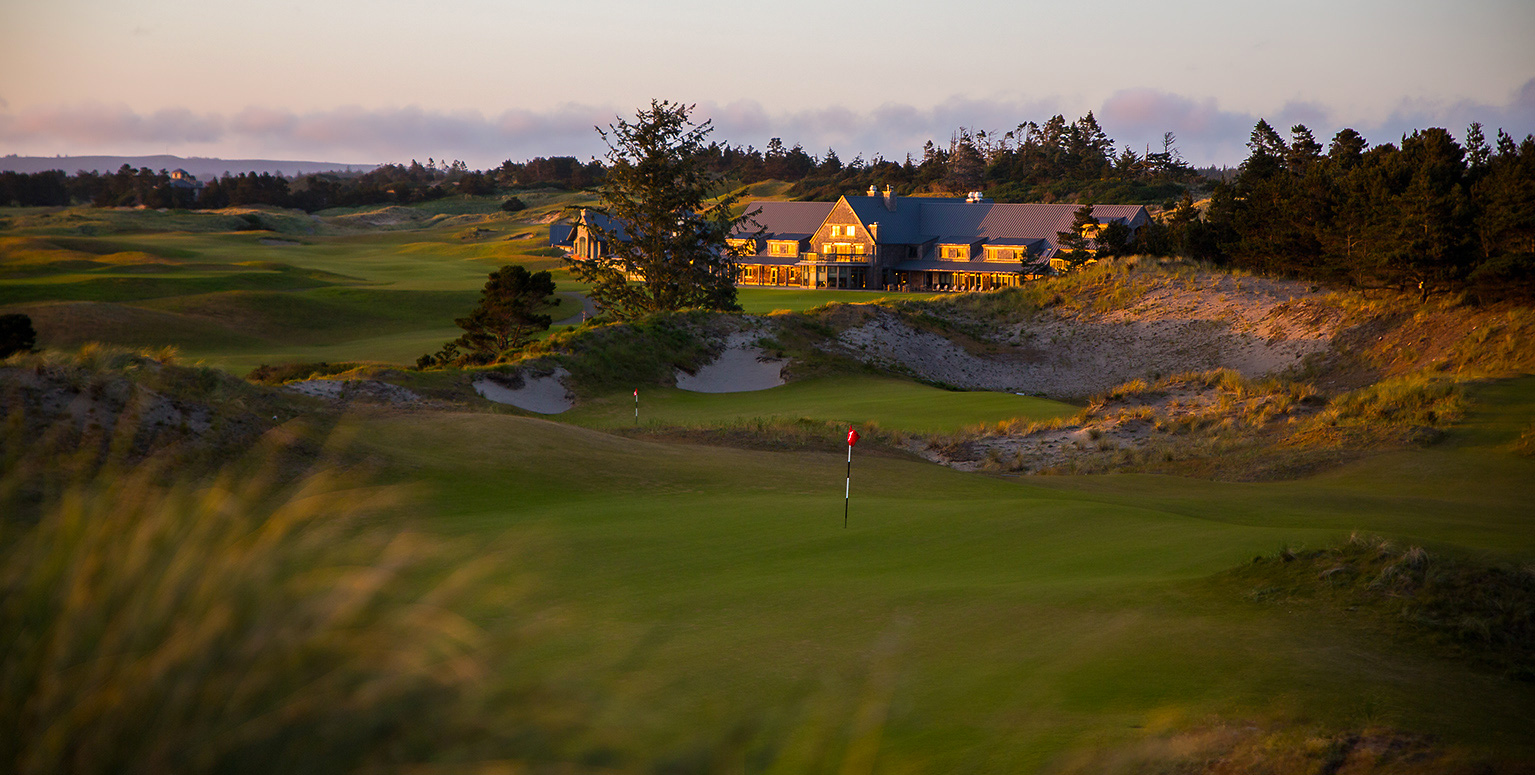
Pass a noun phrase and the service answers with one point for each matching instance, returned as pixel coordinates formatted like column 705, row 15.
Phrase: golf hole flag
column 847, row 488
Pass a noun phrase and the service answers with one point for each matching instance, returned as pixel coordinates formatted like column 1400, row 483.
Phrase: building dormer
column 1012, row 250
column 784, row 245
column 958, row 248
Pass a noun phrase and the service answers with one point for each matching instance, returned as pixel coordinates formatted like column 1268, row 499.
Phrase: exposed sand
column 1253, row 326
column 740, row 368
column 545, row 394
column 353, row 390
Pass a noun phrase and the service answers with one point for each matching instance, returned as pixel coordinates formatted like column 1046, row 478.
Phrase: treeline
column 1429, row 215
column 129, row 187
column 1056, row 161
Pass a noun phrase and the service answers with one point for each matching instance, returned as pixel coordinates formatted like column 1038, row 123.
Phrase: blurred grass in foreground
column 238, row 624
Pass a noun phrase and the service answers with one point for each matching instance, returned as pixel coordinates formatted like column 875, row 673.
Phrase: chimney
column 889, row 198
column 872, row 190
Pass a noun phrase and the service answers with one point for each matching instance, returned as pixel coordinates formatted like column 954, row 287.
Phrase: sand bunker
column 741, row 367
column 1257, row 327
column 354, row 390
column 544, row 395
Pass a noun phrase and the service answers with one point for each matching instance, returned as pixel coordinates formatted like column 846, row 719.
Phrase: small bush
column 16, row 334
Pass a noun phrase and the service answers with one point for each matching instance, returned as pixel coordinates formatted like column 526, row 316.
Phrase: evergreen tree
column 672, row 222
column 1074, row 243
column 1477, row 152
column 1347, row 146
column 508, row 313
column 1304, row 150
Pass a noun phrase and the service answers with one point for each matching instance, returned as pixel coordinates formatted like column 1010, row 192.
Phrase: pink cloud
column 1207, row 133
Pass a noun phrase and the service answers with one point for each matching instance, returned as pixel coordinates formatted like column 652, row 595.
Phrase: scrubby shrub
column 1471, row 608
column 289, row 372
column 16, row 334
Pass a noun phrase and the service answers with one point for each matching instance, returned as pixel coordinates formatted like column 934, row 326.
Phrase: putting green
column 893, row 404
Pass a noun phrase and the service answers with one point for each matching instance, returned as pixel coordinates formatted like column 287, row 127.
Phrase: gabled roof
column 599, row 221
column 924, row 220
column 794, row 220
column 561, row 235
column 901, row 225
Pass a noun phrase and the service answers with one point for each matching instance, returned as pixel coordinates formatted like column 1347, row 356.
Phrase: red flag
column 636, row 392
column 852, row 436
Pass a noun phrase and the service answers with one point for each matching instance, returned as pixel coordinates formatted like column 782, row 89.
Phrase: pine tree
column 508, row 312
column 1074, row 243
column 671, row 224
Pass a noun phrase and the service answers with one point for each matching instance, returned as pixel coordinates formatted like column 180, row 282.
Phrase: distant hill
column 201, row 167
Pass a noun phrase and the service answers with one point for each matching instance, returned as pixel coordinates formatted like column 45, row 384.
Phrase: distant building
column 884, row 242
column 186, row 181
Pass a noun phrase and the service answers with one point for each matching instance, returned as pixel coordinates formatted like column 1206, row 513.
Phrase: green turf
column 997, row 622
column 994, row 624
column 238, row 299
column 893, row 404
column 761, row 300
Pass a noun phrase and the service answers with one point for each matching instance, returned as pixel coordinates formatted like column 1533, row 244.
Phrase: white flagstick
column 636, row 406
column 847, row 488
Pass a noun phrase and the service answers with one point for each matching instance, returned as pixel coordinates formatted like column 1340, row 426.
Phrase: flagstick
column 636, row 407
column 847, row 489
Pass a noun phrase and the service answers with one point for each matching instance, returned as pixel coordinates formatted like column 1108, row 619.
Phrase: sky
column 372, row 81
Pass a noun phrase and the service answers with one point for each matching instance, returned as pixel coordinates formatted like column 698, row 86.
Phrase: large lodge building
column 885, row 242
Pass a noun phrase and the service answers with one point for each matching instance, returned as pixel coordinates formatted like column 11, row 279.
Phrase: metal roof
column 561, row 234
column 918, row 220
column 901, row 225
column 786, row 217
